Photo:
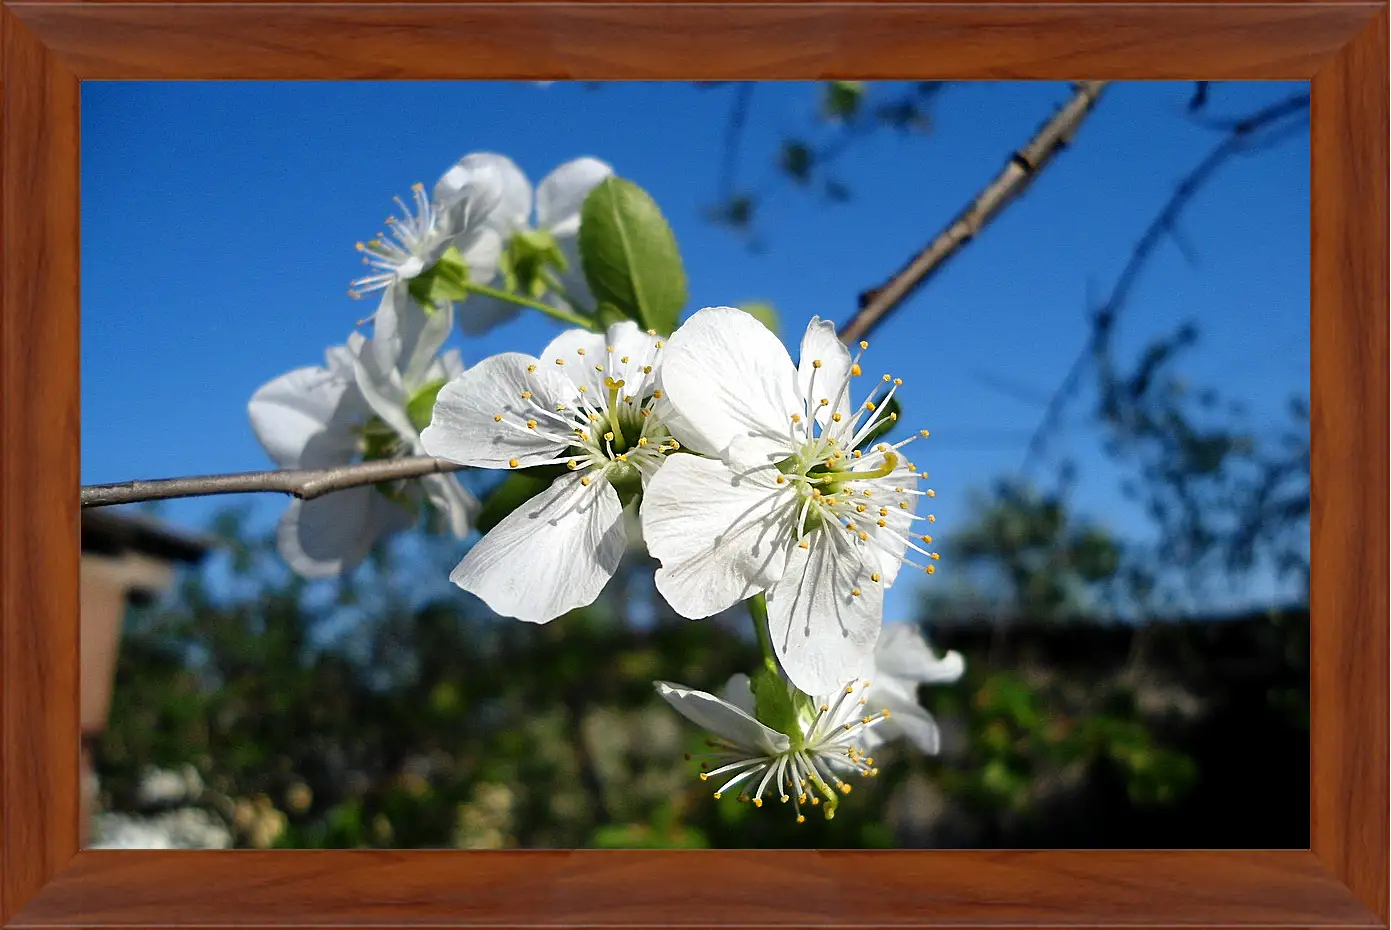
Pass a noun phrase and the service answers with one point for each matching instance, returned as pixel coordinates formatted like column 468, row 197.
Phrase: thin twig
column 304, row 483
column 1242, row 135
column 1023, row 166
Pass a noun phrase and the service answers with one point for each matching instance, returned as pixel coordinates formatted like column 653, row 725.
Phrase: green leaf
column 629, row 255
column 514, row 491
column 609, row 314
column 421, row 407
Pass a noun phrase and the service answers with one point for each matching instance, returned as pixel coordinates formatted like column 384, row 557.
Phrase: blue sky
column 219, row 222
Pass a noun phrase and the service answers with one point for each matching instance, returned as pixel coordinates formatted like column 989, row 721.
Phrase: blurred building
column 127, row 560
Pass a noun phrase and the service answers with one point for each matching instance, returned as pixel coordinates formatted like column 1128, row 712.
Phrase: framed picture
column 59, row 638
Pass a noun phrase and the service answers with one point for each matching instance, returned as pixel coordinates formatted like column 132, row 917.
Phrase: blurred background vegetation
column 1105, row 702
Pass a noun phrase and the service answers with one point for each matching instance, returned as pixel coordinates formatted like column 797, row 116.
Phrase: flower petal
column 332, row 534
column 903, row 653
column 464, row 427
column 453, row 500
column 721, row 537
column 831, row 379
column 304, row 418
column 406, row 337
column 739, row 692
column 479, row 313
column 908, row 718
column 728, row 377
column 552, row 554
column 482, row 169
column 823, row 634
column 587, row 358
column 481, row 248
column 723, row 719
column 574, row 353
column 561, row 194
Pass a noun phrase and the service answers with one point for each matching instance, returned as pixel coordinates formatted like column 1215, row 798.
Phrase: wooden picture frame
column 48, row 48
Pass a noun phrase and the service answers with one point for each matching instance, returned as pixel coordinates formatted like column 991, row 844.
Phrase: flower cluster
column 749, row 478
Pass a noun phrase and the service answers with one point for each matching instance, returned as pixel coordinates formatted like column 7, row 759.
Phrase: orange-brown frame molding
column 48, row 48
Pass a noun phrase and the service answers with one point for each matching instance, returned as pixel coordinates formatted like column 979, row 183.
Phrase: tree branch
column 1023, row 166
column 304, row 483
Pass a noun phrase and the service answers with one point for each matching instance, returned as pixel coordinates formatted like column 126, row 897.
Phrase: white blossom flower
column 902, row 661
column 558, row 199
column 586, row 402
column 791, row 504
column 357, row 406
column 809, row 765
column 425, row 230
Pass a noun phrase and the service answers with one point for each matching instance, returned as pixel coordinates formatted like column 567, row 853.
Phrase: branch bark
column 304, row 483
column 1023, row 166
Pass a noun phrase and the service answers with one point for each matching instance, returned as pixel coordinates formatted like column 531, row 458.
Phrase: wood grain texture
column 46, row 47
column 639, row 888
column 1348, row 346
column 39, row 431
column 713, row 41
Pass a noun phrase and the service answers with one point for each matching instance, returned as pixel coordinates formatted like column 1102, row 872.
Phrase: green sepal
column 525, row 260
column 774, row 705
column 442, row 283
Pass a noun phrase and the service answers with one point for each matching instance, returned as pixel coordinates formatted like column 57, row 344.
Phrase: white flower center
column 860, row 499
column 610, row 428
column 403, row 253
column 827, row 748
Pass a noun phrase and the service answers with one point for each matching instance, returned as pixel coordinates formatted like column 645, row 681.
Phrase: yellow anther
column 931, row 493
column 887, row 378
column 717, row 795
column 579, row 351
column 924, row 433
column 531, row 368
column 584, row 389
column 932, row 569
column 599, row 368
column 845, row 788
column 675, row 445
column 882, row 522
column 657, row 394
column 796, row 418
column 497, row 418
column 863, row 536
column 859, row 508
column 886, row 713
column 785, row 799
column 513, row 463
column 572, row 464
column 704, row 776
column 855, row 370
column 526, row 395
column 871, row 406
column 898, row 381
column 931, row 518
column 864, row 344
column 893, row 417
column 816, row 363
column 936, row 556
column 835, row 417
column 608, row 437
column 866, row 719
column 854, row 592
column 801, row 818
column 560, row 361
column 902, row 505
column 883, row 511
column 781, row 479
column 849, row 689
column 825, row 402
column 531, row 424
column 660, row 343
column 825, row 708
column 651, row 332
column 874, row 577
column 868, row 492
column 647, row 369
column 926, row 539
column 757, row 802
column 585, row 481
column 624, row 359
column 803, row 545
column 858, row 453
column 642, row 441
